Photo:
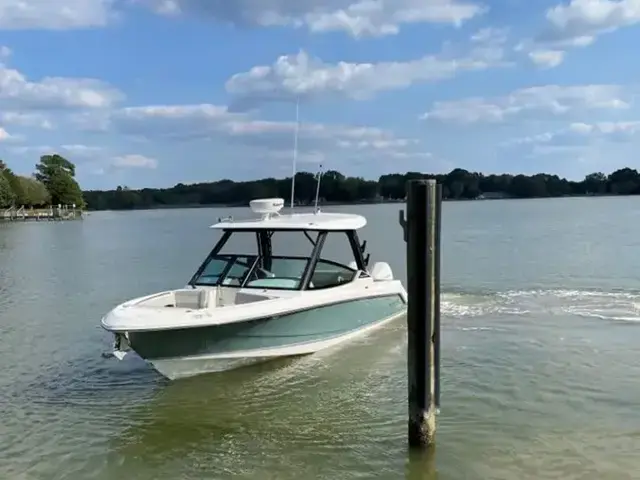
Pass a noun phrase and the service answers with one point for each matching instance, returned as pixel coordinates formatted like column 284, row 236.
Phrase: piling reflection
column 421, row 464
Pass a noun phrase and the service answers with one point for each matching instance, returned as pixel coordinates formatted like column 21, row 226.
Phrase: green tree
column 337, row 187
column 7, row 187
column 595, row 183
column 6, row 194
column 57, row 174
column 34, row 193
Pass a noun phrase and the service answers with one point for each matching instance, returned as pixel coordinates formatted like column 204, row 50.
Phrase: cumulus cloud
column 134, row 161
column 54, row 15
column 491, row 35
column 4, row 135
column 206, row 121
column 554, row 100
column 547, row 58
column 83, row 152
column 213, row 122
column 95, row 159
column 579, row 134
column 358, row 18
column 18, row 93
column 305, row 77
column 578, row 23
column 23, row 119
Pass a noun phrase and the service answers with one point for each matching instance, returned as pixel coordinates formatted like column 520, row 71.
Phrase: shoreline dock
column 51, row 214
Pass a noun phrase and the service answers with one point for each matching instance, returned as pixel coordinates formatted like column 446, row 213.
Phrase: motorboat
column 250, row 303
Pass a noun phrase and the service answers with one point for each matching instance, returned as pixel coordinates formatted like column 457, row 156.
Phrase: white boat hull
column 188, row 366
column 191, row 331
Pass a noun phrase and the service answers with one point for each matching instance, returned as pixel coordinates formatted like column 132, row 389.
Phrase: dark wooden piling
column 436, row 322
column 422, row 234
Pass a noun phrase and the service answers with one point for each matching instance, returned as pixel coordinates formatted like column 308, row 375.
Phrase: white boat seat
column 288, row 283
column 192, row 299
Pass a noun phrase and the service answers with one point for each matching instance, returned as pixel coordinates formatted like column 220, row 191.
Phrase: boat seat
column 192, row 299
column 288, row 283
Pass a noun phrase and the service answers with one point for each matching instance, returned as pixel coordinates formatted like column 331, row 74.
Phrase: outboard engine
column 381, row 271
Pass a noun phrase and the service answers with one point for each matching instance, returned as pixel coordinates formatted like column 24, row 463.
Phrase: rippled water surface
column 541, row 372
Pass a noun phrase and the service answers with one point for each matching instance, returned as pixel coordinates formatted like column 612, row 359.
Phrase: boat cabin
column 285, row 252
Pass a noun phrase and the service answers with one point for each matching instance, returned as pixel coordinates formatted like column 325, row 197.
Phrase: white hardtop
column 272, row 220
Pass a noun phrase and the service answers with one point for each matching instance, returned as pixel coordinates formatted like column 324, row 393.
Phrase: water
column 540, row 365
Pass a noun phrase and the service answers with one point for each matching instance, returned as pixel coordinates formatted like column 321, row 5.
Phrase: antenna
column 316, row 209
column 295, row 153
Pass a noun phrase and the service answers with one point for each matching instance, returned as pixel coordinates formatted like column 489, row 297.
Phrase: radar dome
column 266, row 206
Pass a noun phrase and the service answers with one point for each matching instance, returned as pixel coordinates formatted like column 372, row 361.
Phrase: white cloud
column 77, row 151
column 4, row 135
column 212, row 122
column 90, row 158
column 18, row 93
column 22, row 119
column 491, row 35
column 358, row 18
column 547, row 100
column 547, row 58
column 580, row 134
column 580, row 21
column 134, row 161
column 5, row 52
column 54, row 15
column 577, row 24
column 302, row 76
column 168, row 121
column 377, row 144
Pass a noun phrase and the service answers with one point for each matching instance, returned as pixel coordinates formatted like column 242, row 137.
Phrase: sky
column 159, row 92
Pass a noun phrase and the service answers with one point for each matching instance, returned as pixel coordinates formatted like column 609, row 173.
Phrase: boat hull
column 186, row 352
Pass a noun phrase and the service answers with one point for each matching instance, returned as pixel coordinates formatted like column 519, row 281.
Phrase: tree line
column 53, row 183
column 338, row 188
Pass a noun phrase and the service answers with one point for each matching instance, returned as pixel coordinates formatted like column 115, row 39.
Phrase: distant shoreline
column 346, row 204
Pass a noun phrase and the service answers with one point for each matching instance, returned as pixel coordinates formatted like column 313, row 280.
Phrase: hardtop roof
column 298, row 221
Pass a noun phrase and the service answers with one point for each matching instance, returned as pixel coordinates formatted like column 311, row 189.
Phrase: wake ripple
column 611, row 306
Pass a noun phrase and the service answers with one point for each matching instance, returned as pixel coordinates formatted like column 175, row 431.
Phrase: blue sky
column 156, row 92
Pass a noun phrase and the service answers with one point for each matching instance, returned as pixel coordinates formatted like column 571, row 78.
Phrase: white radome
column 266, row 206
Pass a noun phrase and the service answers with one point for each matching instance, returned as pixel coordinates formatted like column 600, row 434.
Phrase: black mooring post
column 436, row 324
column 420, row 231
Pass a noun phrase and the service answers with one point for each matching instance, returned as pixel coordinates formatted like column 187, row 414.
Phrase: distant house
column 492, row 196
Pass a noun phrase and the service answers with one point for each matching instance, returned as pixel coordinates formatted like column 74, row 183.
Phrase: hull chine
column 182, row 367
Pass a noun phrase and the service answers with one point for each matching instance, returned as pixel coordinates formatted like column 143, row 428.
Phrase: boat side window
column 336, row 265
column 329, row 274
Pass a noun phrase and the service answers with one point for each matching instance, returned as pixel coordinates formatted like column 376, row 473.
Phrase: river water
column 541, row 372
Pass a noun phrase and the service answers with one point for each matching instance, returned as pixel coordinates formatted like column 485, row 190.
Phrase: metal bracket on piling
column 403, row 223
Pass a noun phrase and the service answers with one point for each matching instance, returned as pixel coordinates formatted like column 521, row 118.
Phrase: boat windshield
column 272, row 260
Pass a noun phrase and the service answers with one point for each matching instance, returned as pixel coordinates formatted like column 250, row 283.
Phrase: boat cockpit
column 264, row 270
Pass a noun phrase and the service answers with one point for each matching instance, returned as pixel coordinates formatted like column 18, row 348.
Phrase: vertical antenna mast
column 316, row 209
column 295, row 153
